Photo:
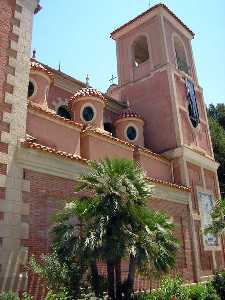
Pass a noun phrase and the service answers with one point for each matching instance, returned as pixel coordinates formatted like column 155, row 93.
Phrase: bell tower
column 157, row 76
column 154, row 59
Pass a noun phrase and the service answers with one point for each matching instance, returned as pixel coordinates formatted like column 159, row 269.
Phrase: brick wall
column 45, row 197
column 180, row 216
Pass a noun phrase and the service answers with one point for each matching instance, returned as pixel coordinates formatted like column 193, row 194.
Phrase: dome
column 129, row 114
column 84, row 93
column 35, row 66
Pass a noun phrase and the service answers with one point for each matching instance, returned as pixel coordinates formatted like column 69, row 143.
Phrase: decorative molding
column 47, row 163
column 193, row 156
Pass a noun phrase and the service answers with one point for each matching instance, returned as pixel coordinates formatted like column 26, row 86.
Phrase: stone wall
column 15, row 43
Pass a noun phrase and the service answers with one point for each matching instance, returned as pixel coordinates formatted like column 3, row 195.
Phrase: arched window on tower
column 63, row 111
column 181, row 59
column 140, row 51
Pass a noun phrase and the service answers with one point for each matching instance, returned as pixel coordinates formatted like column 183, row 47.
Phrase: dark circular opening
column 30, row 89
column 109, row 127
column 131, row 133
column 63, row 112
column 88, row 113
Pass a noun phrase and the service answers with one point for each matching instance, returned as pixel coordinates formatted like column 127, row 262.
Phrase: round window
column 30, row 89
column 88, row 113
column 131, row 133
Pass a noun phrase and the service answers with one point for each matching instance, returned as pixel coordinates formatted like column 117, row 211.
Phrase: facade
column 52, row 125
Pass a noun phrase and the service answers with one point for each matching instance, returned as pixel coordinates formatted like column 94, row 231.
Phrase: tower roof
column 153, row 8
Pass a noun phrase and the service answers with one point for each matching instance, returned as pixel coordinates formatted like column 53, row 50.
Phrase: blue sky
column 77, row 33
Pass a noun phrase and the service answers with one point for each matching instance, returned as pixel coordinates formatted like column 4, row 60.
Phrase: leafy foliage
column 27, row 296
column 202, row 292
column 169, row 288
column 8, row 296
column 58, row 275
column 218, row 284
column 60, row 295
column 217, row 112
column 173, row 287
column 217, row 128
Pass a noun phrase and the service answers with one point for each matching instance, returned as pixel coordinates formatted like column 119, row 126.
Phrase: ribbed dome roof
column 85, row 92
column 39, row 67
column 129, row 114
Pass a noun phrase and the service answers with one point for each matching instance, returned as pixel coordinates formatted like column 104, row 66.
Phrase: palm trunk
column 130, row 278
column 95, row 280
column 111, row 281
column 118, row 279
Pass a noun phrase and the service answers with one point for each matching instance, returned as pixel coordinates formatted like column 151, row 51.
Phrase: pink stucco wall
column 121, row 126
column 151, row 98
column 42, row 84
column 57, row 96
column 154, row 167
column 95, row 148
column 53, row 134
column 98, row 110
column 199, row 136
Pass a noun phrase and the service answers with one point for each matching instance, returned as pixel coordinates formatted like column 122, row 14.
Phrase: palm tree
column 117, row 225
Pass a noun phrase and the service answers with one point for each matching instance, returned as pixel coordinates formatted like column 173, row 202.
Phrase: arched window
column 63, row 111
column 109, row 127
column 140, row 50
column 181, row 58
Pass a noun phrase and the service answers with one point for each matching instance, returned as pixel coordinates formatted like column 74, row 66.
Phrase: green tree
column 217, row 128
column 116, row 225
column 217, row 112
column 218, row 219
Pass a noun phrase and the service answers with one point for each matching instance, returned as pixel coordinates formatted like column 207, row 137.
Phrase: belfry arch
column 140, row 50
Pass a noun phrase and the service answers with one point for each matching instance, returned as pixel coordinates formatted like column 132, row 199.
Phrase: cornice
column 153, row 155
column 196, row 157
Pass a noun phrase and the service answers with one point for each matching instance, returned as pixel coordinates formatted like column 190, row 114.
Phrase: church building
column 52, row 125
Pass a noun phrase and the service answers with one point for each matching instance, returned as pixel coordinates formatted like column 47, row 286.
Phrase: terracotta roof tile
column 129, row 114
column 150, row 10
column 39, row 67
column 170, row 184
column 52, row 114
column 36, row 146
column 151, row 153
column 86, row 92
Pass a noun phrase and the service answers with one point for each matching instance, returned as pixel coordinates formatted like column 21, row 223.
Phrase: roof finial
column 59, row 68
column 112, row 79
column 34, row 54
column 87, row 81
column 149, row 3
